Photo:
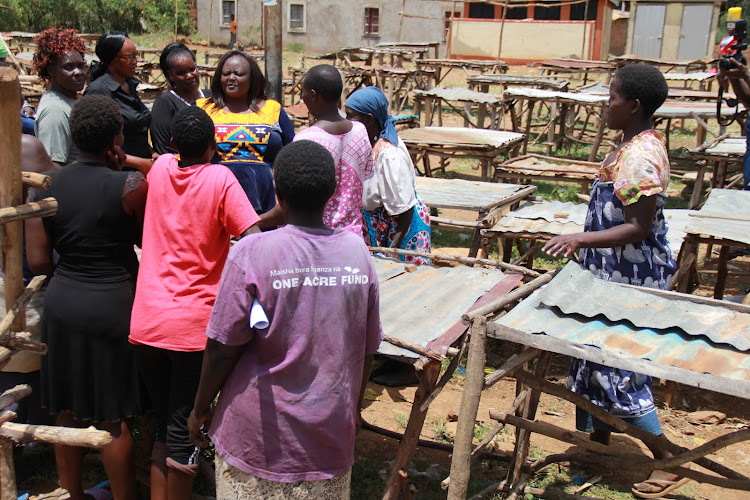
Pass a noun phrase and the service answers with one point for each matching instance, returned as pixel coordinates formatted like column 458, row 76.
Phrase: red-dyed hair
column 54, row 43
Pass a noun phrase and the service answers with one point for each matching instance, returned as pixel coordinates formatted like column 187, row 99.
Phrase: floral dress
column 641, row 168
column 390, row 192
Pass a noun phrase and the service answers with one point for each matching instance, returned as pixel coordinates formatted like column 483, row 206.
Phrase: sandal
column 666, row 487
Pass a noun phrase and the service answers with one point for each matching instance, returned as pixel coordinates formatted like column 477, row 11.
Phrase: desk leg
column 599, row 135
column 554, row 114
column 427, row 381
column 695, row 197
column 529, row 114
column 472, row 393
column 721, row 277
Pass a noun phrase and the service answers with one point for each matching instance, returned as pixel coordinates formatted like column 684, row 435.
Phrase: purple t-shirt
column 287, row 412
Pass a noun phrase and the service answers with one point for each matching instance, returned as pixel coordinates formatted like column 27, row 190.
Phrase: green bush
column 96, row 16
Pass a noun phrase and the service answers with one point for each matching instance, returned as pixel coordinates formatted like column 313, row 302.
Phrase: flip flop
column 667, row 486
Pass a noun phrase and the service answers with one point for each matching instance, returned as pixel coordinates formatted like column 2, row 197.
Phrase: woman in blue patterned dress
column 394, row 215
column 624, row 240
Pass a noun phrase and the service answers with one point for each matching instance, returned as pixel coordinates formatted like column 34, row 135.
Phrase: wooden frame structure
column 531, row 383
column 12, row 336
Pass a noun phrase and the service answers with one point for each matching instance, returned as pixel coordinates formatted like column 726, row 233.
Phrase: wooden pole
column 472, row 393
column 401, row 20
column 175, row 19
column 585, row 29
column 502, row 28
column 11, row 188
column 89, row 438
column 7, row 472
column 273, row 49
column 210, row 22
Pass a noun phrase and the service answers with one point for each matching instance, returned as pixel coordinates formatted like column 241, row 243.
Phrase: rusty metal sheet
column 460, row 137
column 726, row 214
column 463, row 195
column 460, row 94
column 550, row 328
column 698, row 76
column 554, row 95
column 422, row 305
column 576, row 64
column 644, row 310
column 508, row 80
column 535, row 165
column 684, row 109
column 544, row 219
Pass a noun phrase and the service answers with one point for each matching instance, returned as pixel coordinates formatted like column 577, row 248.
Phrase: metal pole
column 273, row 48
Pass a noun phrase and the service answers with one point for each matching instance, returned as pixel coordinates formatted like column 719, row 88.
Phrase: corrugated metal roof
column 698, row 76
column 683, row 109
column 422, row 305
column 731, row 146
column 460, row 136
column 575, row 64
column 535, row 165
column 666, row 347
column 644, row 310
column 464, row 195
column 722, row 215
column 677, row 219
column 545, row 219
column 460, row 94
column 554, row 95
column 519, row 80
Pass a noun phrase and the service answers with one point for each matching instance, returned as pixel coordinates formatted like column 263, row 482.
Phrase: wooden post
column 473, row 385
column 7, row 472
column 11, row 188
column 599, row 134
column 401, row 20
column 528, row 411
column 273, row 49
column 585, row 29
column 502, row 28
column 427, row 381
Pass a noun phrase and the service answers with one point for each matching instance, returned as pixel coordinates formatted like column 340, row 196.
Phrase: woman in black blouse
column 179, row 68
column 114, row 76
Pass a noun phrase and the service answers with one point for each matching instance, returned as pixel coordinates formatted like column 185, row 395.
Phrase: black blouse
column 165, row 107
column 135, row 114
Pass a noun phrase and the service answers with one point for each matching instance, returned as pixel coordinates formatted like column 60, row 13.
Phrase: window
column 546, row 13
column 517, row 13
column 481, row 11
column 577, row 10
column 227, row 10
column 448, row 16
column 372, row 21
column 297, row 17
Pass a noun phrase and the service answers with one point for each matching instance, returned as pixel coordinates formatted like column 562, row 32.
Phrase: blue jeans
column 746, row 158
column 232, row 40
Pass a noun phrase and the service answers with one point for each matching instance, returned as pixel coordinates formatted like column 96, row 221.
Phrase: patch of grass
column 439, row 430
column 402, row 419
column 536, row 451
column 481, row 430
column 296, row 47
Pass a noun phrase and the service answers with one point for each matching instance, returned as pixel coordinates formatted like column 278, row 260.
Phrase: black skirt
column 90, row 367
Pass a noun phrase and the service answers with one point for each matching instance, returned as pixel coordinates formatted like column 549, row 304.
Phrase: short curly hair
column 192, row 131
column 645, row 83
column 325, row 80
column 53, row 44
column 305, row 175
column 95, row 121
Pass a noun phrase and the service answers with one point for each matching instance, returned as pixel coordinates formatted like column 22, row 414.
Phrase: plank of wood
column 25, row 433
column 42, row 208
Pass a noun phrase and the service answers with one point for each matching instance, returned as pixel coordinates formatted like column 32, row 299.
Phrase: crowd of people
column 171, row 332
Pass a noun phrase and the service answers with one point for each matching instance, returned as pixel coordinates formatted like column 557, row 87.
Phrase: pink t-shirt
column 287, row 411
column 190, row 214
column 352, row 153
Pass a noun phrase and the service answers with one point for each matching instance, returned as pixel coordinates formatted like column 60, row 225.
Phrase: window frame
column 233, row 11
column 291, row 29
column 367, row 8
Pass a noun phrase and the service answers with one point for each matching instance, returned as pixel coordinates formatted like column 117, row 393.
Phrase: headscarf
column 107, row 48
column 372, row 101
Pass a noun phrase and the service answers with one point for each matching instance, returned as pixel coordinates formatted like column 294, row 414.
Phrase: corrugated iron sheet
column 537, row 166
column 677, row 219
column 674, row 93
column 519, row 80
column 644, row 310
column 698, row 76
column 551, row 95
column 463, row 195
column 719, row 216
column 460, row 136
column 422, row 305
column 683, row 109
column 575, row 64
column 668, row 347
column 460, row 94
column 546, row 219
column 731, row 146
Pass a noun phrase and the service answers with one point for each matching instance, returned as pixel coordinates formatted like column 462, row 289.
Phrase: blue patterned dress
column 641, row 168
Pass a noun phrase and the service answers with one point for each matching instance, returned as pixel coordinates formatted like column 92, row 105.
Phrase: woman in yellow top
column 250, row 129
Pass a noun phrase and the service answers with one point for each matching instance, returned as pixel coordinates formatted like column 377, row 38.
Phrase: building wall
column 522, row 39
column 331, row 24
column 618, row 37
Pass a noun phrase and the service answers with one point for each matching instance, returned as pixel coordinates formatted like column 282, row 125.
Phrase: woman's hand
column 197, row 424
column 565, row 244
column 116, row 158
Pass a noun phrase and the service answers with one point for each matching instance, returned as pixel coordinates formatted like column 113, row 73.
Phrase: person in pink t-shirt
column 192, row 210
column 346, row 140
column 290, row 389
